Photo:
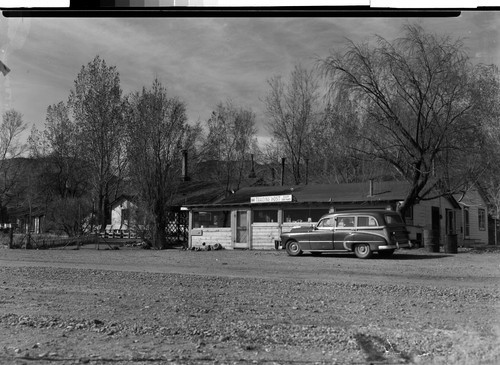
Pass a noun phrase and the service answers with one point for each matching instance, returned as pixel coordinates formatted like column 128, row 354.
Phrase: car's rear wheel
column 293, row 248
column 386, row 253
column 363, row 251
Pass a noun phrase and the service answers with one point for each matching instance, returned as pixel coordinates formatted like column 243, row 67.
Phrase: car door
column 344, row 226
column 321, row 238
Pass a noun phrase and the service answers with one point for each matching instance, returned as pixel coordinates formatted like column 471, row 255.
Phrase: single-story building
column 254, row 217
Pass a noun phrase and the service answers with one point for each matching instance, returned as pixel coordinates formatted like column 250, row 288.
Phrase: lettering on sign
column 271, row 199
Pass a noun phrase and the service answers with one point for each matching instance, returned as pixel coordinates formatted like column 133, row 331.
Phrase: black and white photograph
column 245, row 187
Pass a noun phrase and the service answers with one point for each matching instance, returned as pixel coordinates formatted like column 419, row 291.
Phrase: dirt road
column 136, row 306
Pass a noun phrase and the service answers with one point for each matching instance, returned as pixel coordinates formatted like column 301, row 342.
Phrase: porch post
column 190, row 227
column 249, row 225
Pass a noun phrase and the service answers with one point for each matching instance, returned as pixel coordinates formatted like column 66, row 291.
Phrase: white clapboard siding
column 476, row 233
column 211, row 236
column 264, row 235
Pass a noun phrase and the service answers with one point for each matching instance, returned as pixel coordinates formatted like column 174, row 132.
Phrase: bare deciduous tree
column 62, row 183
column 229, row 143
column 417, row 104
column 292, row 108
column 11, row 147
column 156, row 126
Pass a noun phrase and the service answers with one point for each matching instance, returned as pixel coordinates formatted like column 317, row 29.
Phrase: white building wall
column 116, row 215
column 264, row 235
column 473, row 202
column 211, row 236
column 422, row 217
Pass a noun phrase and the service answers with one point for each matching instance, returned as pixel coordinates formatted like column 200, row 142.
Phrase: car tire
column 386, row 253
column 363, row 251
column 293, row 248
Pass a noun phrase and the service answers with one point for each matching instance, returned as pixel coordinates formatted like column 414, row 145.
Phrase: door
column 322, row 236
column 241, row 238
column 466, row 223
column 436, row 221
column 344, row 226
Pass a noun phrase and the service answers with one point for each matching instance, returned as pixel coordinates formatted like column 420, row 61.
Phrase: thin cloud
column 203, row 61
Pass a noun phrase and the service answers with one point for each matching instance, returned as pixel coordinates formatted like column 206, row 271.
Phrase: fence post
column 11, row 237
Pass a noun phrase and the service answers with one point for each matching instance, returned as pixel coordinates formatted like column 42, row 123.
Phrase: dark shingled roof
column 325, row 193
column 198, row 192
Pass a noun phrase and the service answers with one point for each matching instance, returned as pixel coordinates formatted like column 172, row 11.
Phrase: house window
column 482, row 219
column 211, row 219
column 466, row 222
column 303, row 215
column 265, row 216
column 450, row 221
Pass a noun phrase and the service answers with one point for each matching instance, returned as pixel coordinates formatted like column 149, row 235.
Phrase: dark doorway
column 436, row 221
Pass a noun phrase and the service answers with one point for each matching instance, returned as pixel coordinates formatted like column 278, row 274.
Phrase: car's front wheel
column 293, row 248
column 363, row 251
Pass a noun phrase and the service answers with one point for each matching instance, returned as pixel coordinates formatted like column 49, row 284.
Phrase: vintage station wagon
column 361, row 232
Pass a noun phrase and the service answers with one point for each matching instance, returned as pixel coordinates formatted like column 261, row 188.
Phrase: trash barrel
column 431, row 240
column 451, row 244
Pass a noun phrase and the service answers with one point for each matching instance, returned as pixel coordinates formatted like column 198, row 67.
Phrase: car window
column 326, row 223
column 393, row 219
column 345, row 222
column 367, row 222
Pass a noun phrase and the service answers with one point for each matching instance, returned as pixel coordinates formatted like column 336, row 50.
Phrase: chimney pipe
column 185, row 176
column 307, row 170
column 282, row 171
column 252, row 172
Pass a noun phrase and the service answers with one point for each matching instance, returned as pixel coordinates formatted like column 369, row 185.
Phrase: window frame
column 369, row 217
column 481, row 219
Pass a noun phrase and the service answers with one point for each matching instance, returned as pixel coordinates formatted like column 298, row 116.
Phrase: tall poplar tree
column 97, row 108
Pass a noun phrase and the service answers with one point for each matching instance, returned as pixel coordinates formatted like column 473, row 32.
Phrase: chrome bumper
column 396, row 246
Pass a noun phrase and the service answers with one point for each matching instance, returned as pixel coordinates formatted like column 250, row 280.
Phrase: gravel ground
column 132, row 306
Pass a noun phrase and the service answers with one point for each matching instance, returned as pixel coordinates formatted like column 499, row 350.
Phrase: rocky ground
column 133, row 306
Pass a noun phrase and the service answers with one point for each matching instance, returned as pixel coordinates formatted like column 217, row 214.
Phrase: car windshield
column 393, row 219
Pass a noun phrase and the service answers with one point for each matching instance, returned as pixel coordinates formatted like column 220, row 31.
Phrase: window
column 367, row 222
column 393, row 219
column 303, row 215
column 345, row 222
column 265, row 216
column 482, row 219
column 326, row 223
column 125, row 215
column 450, row 221
column 211, row 219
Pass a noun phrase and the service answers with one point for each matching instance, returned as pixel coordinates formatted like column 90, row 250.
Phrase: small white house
column 122, row 213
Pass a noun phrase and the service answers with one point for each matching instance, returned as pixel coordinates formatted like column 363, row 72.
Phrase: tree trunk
column 160, row 235
column 160, row 225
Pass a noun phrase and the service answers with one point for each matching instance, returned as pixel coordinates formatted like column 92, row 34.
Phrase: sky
column 202, row 61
